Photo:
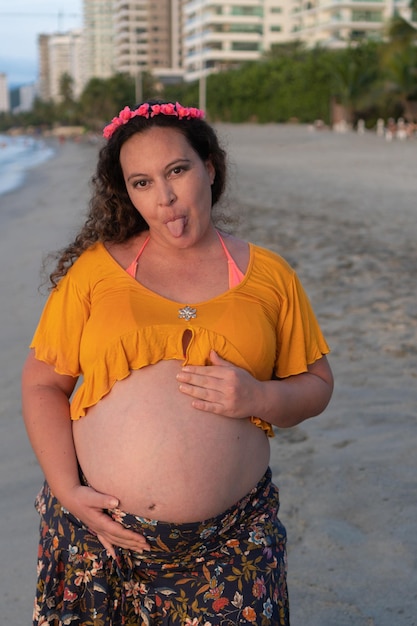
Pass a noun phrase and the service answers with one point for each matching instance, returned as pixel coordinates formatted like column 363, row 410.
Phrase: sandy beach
column 342, row 209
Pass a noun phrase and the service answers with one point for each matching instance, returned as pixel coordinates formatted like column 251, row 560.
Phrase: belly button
column 151, row 507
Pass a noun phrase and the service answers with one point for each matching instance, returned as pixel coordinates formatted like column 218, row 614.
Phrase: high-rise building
column 98, row 51
column 335, row 24
column 4, row 94
column 221, row 35
column 147, row 36
column 43, row 56
column 60, row 54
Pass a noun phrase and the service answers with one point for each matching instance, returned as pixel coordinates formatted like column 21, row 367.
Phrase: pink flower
column 168, row 109
column 125, row 115
column 156, row 110
column 182, row 111
column 143, row 110
column 259, row 587
column 70, row 596
column 196, row 113
column 110, row 128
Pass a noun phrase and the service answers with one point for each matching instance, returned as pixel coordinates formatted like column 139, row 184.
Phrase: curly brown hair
column 111, row 215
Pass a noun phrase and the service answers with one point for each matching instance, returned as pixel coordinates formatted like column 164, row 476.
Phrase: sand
column 342, row 209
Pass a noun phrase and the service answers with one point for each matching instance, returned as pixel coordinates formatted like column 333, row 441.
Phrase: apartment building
column 4, row 94
column 334, row 23
column 220, row 35
column 147, row 36
column 98, row 49
column 60, row 53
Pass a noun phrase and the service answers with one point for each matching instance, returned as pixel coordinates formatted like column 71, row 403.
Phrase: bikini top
column 235, row 275
column 99, row 324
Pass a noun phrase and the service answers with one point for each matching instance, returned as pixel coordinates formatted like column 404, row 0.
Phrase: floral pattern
column 225, row 571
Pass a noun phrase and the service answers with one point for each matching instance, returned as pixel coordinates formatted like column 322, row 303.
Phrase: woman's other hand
column 90, row 507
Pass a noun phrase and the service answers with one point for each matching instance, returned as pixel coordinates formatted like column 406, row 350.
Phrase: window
column 246, row 28
column 366, row 16
column 257, row 11
column 243, row 46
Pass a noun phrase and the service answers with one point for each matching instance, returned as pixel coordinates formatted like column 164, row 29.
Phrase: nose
column 166, row 194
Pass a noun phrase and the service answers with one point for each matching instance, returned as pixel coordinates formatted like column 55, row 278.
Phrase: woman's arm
column 45, row 404
column 289, row 401
column 224, row 389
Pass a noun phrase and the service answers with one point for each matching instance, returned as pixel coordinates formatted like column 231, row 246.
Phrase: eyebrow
column 168, row 165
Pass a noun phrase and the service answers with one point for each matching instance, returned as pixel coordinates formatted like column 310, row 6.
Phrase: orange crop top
column 100, row 323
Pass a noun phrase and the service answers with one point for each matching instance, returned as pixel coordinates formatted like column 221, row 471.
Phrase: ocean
column 17, row 155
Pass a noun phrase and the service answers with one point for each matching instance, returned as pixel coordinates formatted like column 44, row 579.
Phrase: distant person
column 158, row 506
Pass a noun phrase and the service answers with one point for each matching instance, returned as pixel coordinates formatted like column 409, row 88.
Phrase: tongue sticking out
column 176, row 227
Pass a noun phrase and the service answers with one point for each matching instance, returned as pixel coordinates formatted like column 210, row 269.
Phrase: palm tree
column 354, row 71
column 401, row 79
column 399, row 63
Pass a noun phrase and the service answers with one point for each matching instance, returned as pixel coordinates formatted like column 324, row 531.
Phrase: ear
column 211, row 171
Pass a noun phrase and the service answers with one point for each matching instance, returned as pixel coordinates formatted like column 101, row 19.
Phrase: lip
column 175, row 218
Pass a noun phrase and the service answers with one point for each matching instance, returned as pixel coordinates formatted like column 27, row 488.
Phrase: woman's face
column 169, row 185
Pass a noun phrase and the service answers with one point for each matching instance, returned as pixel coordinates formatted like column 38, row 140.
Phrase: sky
column 21, row 21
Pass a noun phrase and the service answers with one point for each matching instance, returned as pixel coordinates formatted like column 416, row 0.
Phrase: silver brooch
column 187, row 313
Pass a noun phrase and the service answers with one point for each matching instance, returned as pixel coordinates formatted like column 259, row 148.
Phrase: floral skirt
column 230, row 569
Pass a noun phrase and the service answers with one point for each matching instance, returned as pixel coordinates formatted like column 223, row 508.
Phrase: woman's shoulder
column 85, row 265
column 271, row 257
column 242, row 249
column 261, row 263
column 89, row 257
column 237, row 248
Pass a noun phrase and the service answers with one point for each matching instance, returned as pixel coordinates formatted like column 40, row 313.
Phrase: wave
column 17, row 155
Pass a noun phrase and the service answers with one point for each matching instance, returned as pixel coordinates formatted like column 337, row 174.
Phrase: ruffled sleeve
column 300, row 341
column 57, row 338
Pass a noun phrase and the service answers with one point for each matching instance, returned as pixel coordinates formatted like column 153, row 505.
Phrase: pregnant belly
column 146, row 445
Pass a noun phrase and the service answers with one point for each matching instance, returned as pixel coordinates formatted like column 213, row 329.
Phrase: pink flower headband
column 151, row 110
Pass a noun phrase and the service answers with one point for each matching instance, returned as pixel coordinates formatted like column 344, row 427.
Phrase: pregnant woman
column 188, row 345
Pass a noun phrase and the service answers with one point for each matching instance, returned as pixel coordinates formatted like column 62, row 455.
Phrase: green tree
column 67, row 108
column 413, row 7
column 399, row 64
column 66, row 88
column 355, row 72
column 400, row 68
column 102, row 99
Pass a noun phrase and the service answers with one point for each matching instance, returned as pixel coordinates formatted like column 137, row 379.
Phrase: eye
column 141, row 184
column 178, row 169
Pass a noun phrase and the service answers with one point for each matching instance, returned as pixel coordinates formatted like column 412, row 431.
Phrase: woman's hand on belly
column 88, row 505
column 221, row 388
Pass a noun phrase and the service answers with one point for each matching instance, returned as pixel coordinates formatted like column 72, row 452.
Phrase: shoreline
column 341, row 209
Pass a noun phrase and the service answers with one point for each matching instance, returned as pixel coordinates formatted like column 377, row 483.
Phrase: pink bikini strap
column 131, row 270
column 235, row 275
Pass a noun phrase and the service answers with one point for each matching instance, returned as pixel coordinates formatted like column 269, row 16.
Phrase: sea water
column 17, row 155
